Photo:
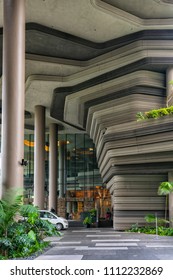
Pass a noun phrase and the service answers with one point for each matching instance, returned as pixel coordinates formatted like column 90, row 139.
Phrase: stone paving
column 108, row 244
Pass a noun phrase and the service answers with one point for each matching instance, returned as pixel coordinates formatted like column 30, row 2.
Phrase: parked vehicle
column 59, row 222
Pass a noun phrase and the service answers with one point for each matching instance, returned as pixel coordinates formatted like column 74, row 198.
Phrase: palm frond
column 165, row 188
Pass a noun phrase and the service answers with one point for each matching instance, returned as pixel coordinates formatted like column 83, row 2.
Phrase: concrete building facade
column 90, row 66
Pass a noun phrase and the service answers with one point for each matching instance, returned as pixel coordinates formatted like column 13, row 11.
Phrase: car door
column 48, row 216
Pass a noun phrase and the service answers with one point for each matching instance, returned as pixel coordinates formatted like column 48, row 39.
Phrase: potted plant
column 87, row 221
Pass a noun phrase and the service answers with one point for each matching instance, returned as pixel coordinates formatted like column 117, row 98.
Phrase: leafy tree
column 165, row 188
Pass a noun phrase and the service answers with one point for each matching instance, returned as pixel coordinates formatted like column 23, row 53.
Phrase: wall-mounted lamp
column 24, row 162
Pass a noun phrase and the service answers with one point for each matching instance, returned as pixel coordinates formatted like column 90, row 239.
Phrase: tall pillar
column 170, row 179
column 62, row 168
column 39, row 157
column 169, row 92
column 53, row 159
column 62, row 180
column 169, row 86
column 13, row 90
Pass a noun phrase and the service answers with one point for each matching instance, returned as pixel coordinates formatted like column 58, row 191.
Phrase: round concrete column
column 169, row 92
column 62, row 168
column 169, row 87
column 39, row 157
column 13, row 90
column 53, row 158
column 170, row 179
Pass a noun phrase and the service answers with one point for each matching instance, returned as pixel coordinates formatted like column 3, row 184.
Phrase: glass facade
column 79, row 181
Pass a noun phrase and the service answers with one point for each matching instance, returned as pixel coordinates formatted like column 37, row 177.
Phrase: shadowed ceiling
column 75, row 46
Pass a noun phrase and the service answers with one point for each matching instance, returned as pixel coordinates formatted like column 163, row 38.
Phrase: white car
column 59, row 222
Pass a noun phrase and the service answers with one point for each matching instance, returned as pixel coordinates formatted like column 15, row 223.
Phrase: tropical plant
column 93, row 214
column 21, row 229
column 91, row 217
column 152, row 230
column 165, row 188
column 9, row 209
column 87, row 220
column 150, row 218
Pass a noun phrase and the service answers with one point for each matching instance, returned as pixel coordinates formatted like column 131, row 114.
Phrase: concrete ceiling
column 73, row 46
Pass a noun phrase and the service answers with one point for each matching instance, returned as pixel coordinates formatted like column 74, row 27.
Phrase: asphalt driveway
column 108, row 244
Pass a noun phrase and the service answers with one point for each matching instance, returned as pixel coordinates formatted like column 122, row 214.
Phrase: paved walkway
column 107, row 244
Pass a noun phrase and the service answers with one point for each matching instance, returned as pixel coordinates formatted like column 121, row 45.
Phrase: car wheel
column 59, row 226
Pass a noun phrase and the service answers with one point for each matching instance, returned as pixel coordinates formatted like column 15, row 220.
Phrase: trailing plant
column 155, row 113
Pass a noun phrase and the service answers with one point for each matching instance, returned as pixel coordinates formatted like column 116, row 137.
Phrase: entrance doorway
column 79, row 203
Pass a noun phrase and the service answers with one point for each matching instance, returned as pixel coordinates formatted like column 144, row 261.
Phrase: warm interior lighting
column 28, row 143
column 63, row 142
column 31, row 144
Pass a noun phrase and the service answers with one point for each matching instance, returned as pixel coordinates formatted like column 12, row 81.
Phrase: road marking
column 85, row 230
column 70, row 247
column 159, row 246
column 59, row 257
column 103, row 248
column 115, row 240
column 67, row 242
column 116, row 244
column 101, row 235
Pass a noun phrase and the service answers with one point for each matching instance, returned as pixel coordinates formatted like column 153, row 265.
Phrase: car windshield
column 47, row 215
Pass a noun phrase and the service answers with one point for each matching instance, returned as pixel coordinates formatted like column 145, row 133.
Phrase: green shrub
column 161, row 230
column 91, row 217
column 140, row 116
column 150, row 218
column 152, row 114
column 155, row 113
column 87, row 220
column 170, row 110
column 25, row 236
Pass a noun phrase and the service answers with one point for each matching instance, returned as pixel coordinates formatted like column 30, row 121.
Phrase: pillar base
column 61, row 207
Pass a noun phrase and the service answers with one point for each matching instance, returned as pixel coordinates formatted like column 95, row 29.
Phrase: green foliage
column 152, row 228
column 45, row 228
column 29, row 211
column 163, row 231
column 171, row 82
column 87, row 220
column 140, row 116
column 9, row 208
column 20, row 238
column 150, row 218
column 93, row 212
column 155, row 113
column 5, row 243
column 152, row 114
column 165, row 188
column 91, row 217
column 32, row 235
